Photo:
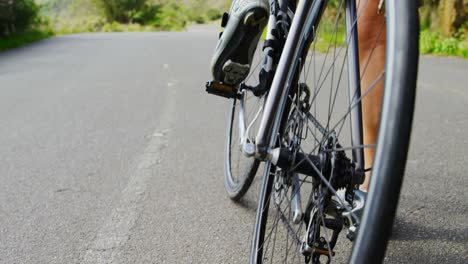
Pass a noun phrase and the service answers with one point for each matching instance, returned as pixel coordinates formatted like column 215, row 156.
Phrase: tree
column 121, row 11
column 448, row 16
column 453, row 16
column 17, row 15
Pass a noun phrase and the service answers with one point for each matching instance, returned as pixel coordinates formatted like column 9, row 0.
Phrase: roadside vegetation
column 443, row 22
column 444, row 27
column 25, row 21
column 73, row 16
column 20, row 23
column 435, row 43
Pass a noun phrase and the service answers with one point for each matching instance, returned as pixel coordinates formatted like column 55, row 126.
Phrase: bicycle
column 313, row 166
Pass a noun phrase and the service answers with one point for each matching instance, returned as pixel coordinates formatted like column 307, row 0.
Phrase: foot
column 243, row 27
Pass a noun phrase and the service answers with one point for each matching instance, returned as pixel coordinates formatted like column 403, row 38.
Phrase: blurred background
column 112, row 152
column 443, row 22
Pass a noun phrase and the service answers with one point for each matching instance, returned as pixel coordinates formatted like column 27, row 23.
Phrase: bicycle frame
column 394, row 130
column 306, row 19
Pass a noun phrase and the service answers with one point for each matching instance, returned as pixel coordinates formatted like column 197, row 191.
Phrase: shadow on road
column 404, row 230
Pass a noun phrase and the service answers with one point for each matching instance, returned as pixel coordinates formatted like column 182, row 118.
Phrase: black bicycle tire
column 392, row 150
column 398, row 108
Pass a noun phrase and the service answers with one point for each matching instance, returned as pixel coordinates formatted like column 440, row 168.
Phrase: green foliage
column 334, row 3
column 146, row 14
column 330, row 36
column 128, row 11
column 88, row 24
column 112, row 27
column 21, row 38
column 170, row 17
column 200, row 12
column 123, row 11
column 433, row 43
column 117, row 27
column 73, row 16
column 20, row 23
column 166, row 15
column 213, row 14
column 69, row 9
column 17, row 16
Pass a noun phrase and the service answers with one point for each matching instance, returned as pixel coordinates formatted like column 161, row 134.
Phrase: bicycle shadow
column 407, row 237
column 405, row 230
column 435, row 245
column 248, row 204
column 250, row 201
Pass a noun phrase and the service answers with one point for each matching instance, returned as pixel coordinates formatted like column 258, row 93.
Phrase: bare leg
column 371, row 35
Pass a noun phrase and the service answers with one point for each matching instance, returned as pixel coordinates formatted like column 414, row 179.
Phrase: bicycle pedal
column 221, row 89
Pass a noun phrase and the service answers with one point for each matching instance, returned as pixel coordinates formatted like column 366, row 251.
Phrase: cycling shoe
column 243, row 27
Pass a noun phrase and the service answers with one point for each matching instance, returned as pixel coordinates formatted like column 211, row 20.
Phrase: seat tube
column 280, row 86
column 354, row 83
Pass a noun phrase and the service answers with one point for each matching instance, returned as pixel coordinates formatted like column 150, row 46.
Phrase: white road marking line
column 161, row 133
column 110, row 240
column 172, row 83
column 106, row 247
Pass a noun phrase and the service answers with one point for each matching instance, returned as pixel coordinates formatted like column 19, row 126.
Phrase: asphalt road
column 110, row 151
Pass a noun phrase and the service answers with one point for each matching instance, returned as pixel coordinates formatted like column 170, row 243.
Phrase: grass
column 75, row 16
column 23, row 38
column 329, row 36
column 95, row 24
column 170, row 17
column 429, row 42
column 174, row 15
column 433, row 43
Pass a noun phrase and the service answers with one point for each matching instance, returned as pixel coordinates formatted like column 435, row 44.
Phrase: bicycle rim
column 239, row 170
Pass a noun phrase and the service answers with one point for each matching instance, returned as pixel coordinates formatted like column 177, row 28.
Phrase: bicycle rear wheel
column 240, row 170
column 318, row 217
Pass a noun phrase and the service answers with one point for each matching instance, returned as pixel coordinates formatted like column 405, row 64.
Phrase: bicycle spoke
column 326, row 132
column 356, row 103
column 316, row 132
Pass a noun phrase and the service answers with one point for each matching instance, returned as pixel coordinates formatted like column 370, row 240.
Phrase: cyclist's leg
column 371, row 36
